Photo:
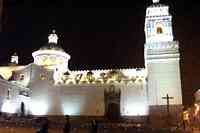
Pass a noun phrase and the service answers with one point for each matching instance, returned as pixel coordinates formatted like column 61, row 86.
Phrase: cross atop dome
column 53, row 38
column 156, row 1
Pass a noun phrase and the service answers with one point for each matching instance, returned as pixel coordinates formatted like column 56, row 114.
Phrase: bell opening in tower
column 159, row 30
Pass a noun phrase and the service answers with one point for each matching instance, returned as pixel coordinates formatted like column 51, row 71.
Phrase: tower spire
column 155, row 1
column 53, row 38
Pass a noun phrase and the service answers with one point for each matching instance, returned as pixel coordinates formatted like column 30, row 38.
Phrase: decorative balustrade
column 104, row 76
column 162, row 46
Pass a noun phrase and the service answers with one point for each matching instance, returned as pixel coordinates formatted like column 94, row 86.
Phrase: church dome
column 51, row 56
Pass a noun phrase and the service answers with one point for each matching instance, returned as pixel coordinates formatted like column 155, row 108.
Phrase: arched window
column 159, row 30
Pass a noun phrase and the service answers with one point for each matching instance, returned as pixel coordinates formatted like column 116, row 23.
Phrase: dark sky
column 100, row 34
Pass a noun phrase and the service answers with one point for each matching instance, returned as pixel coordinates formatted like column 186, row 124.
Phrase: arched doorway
column 112, row 103
column 113, row 112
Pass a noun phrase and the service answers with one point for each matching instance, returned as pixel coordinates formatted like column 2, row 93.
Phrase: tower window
column 159, row 30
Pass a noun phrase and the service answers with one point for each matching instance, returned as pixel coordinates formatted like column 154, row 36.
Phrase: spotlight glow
column 197, row 109
column 8, row 107
column 135, row 109
column 38, row 108
column 70, row 109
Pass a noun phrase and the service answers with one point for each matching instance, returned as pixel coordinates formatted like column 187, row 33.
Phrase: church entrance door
column 112, row 103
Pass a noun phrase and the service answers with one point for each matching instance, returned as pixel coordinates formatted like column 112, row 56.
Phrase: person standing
column 67, row 125
column 94, row 127
column 44, row 127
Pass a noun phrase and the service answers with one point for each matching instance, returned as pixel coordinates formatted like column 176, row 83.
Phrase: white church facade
column 48, row 87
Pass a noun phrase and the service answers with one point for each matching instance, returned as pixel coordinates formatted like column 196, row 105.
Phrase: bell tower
column 161, row 56
column 158, row 23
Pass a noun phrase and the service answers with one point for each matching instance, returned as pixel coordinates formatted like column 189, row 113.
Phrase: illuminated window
column 159, row 30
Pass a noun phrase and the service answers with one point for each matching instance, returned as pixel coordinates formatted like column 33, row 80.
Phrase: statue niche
column 112, row 102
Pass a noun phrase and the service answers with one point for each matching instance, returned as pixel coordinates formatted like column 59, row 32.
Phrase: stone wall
column 163, row 79
column 67, row 100
column 158, row 116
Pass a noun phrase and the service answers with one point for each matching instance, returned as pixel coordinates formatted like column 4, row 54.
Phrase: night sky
column 99, row 34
